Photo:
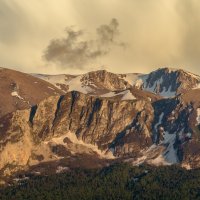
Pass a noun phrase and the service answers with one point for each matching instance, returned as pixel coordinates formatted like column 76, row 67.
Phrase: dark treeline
column 116, row 182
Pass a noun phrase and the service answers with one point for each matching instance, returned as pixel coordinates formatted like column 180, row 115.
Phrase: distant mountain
column 165, row 82
column 170, row 82
column 96, row 82
column 99, row 118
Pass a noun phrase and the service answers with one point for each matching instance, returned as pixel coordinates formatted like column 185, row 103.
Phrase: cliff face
column 105, row 80
column 191, row 150
column 170, row 82
column 111, row 118
column 75, row 121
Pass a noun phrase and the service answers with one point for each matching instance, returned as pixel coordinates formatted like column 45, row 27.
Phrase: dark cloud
column 107, row 33
column 75, row 51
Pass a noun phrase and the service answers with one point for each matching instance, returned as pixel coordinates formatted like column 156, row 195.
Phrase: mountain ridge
column 166, row 82
column 115, row 122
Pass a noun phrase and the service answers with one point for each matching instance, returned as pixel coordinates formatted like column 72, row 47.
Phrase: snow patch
column 15, row 94
column 138, row 84
column 170, row 153
column 72, row 137
column 51, row 88
column 164, row 93
column 168, row 93
column 109, row 94
column 127, row 95
column 56, row 80
column 132, row 78
column 162, row 154
column 76, row 84
column 154, row 86
column 159, row 121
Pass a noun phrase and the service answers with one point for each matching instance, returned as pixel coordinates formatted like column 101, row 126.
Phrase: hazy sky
column 75, row 36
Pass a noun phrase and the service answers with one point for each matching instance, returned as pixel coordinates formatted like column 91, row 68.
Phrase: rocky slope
column 111, row 118
column 170, row 82
column 19, row 90
column 175, row 131
column 96, row 82
column 74, row 124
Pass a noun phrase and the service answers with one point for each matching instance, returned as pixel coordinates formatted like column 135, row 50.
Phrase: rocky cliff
column 77, row 123
column 111, row 118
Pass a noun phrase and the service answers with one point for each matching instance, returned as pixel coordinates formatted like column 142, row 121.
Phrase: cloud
column 75, row 51
column 158, row 33
column 107, row 33
column 189, row 15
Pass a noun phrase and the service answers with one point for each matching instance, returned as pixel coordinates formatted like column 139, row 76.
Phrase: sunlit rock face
column 110, row 118
column 111, row 126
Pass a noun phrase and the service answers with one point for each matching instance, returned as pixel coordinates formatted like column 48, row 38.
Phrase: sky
column 77, row 36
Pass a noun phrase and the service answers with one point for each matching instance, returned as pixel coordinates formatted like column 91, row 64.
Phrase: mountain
column 166, row 82
column 20, row 90
column 96, row 82
column 101, row 118
column 74, row 124
column 170, row 82
column 177, row 119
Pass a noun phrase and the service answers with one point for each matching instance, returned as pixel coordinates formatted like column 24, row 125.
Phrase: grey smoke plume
column 75, row 51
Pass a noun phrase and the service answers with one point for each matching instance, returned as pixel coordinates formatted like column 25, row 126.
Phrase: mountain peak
column 174, row 70
column 122, row 115
column 169, row 69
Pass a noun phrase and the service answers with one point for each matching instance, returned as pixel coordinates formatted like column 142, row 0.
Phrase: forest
column 116, row 182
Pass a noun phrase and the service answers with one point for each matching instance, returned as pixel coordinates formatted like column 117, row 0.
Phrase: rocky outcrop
column 75, row 123
column 115, row 117
column 104, row 80
column 179, row 117
column 170, row 82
